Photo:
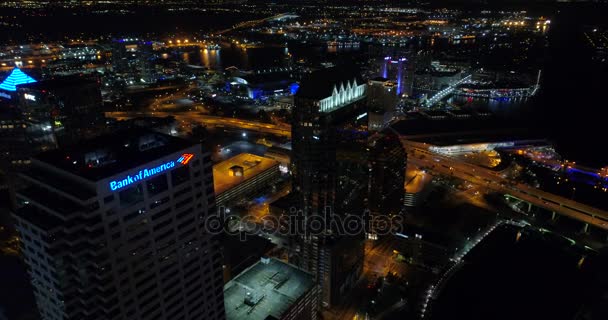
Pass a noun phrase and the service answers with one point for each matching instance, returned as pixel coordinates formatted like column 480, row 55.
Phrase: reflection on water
column 253, row 57
column 497, row 105
column 210, row 58
column 229, row 55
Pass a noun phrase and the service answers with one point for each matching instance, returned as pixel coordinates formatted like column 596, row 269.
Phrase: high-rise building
column 327, row 106
column 395, row 69
column 382, row 102
column 69, row 109
column 388, row 161
column 14, row 150
column 113, row 228
column 135, row 59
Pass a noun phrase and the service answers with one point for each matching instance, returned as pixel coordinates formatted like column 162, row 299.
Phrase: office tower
column 13, row 144
column 271, row 290
column 146, row 61
column 324, row 118
column 382, row 102
column 120, row 58
column 382, row 94
column 135, row 59
column 394, row 68
column 68, row 109
column 388, row 161
column 113, row 228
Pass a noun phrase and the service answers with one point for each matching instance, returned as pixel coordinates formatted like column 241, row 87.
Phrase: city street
column 379, row 261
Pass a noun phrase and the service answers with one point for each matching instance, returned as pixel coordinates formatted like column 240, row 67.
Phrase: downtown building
column 329, row 166
column 387, row 174
column 62, row 111
column 241, row 176
column 134, row 59
column 15, row 141
column 113, row 228
column 43, row 115
column 272, row 290
column 382, row 102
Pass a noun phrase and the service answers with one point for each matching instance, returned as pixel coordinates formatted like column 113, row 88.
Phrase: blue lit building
column 8, row 87
column 393, row 68
column 261, row 85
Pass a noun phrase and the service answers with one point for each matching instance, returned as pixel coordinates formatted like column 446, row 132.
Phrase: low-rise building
column 271, row 290
column 243, row 175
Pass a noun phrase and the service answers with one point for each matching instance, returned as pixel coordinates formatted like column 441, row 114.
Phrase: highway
column 195, row 117
column 421, row 156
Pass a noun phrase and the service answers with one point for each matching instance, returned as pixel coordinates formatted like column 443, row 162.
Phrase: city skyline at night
column 303, row 160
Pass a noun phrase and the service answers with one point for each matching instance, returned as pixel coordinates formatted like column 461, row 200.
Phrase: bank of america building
column 113, row 229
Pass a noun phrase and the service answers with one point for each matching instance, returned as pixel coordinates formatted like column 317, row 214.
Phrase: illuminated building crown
column 14, row 79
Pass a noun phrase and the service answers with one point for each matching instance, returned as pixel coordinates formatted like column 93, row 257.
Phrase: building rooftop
column 261, row 78
column 265, row 290
column 108, row 155
column 320, row 83
column 224, row 178
column 379, row 79
column 240, row 255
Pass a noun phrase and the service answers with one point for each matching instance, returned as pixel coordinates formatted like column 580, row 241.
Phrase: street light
column 573, row 192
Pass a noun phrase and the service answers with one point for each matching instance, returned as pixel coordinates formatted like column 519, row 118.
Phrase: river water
column 533, row 276
column 260, row 57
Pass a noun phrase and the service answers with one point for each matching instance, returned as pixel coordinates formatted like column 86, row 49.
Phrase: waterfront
column 259, row 57
column 503, row 106
column 518, row 274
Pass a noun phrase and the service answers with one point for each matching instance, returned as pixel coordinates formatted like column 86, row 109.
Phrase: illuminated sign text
column 30, row 97
column 149, row 172
column 142, row 174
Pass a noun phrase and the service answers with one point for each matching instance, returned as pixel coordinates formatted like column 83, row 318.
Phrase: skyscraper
column 388, row 161
column 68, row 109
column 394, row 68
column 113, row 228
column 134, row 59
column 382, row 102
column 327, row 106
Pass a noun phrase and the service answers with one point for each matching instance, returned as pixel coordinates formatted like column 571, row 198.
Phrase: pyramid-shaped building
column 14, row 79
